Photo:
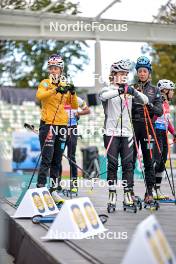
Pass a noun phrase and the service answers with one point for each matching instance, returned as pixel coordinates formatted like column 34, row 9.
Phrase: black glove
column 163, row 98
column 71, row 88
column 62, row 90
column 129, row 90
column 150, row 106
column 77, row 117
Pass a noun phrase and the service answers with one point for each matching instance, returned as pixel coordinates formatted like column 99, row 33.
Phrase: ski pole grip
column 26, row 125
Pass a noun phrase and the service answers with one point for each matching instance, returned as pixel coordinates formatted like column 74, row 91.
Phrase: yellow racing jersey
column 52, row 103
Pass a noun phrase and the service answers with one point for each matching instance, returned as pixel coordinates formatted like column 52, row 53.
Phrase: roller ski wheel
column 111, row 208
column 129, row 203
column 151, row 204
column 103, row 218
column 59, row 205
column 130, row 207
column 112, row 201
column 68, row 193
column 37, row 219
column 137, row 201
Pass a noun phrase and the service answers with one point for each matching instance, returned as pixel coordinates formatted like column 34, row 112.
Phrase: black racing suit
column 140, row 129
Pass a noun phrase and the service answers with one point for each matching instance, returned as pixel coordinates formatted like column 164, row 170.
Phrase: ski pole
column 169, row 154
column 159, row 150
column 31, row 127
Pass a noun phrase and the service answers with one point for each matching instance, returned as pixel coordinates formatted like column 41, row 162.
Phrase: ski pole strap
column 125, row 92
column 126, row 88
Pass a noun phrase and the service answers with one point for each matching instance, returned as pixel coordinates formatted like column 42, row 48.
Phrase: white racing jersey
column 72, row 120
column 117, row 109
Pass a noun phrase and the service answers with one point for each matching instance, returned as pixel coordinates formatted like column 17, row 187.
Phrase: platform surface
column 102, row 250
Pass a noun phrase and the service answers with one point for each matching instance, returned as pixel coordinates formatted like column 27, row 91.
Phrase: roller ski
column 129, row 203
column 137, row 200
column 112, row 200
column 150, row 203
column 73, row 191
column 162, row 198
column 159, row 196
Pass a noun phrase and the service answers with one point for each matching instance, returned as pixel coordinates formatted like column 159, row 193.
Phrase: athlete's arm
column 108, row 93
column 72, row 100
column 156, row 108
column 84, row 109
column 43, row 91
column 140, row 97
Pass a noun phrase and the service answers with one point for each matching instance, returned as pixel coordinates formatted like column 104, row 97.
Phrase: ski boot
column 150, row 203
column 159, row 196
column 112, row 199
column 128, row 203
column 137, row 200
column 57, row 198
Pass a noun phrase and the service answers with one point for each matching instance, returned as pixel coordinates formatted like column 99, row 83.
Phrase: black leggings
column 71, row 144
column 142, row 138
column 124, row 146
column 52, row 147
column 160, row 160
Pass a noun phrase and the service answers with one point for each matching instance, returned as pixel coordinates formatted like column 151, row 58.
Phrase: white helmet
column 165, row 84
column 56, row 60
column 122, row 65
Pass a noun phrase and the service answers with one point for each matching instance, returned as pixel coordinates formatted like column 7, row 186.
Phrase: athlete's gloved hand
column 62, row 90
column 129, row 89
column 77, row 116
column 163, row 98
column 71, row 88
column 150, row 106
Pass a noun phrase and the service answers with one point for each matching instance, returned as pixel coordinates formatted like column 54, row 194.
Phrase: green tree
column 23, row 63
column 164, row 55
column 164, row 62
